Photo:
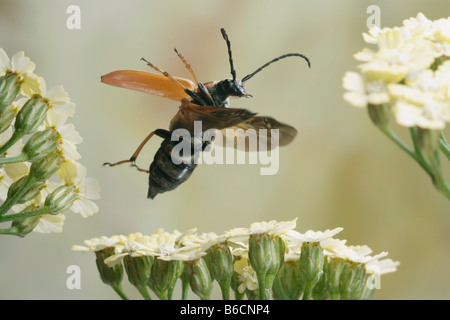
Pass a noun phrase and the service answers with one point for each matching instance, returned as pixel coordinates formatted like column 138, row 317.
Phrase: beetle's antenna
column 275, row 60
column 225, row 37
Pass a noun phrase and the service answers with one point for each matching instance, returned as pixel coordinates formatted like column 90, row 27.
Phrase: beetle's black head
column 232, row 88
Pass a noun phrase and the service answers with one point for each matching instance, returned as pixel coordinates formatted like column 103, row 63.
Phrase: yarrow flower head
column 398, row 54
column 96, row 244
column 360, row 254
column 134, row 245
column 170, row 246
column 311, row 236
column 272, row 228
column 68, row 137
column 23, row 67
column 337, row 249
column 198, row 259
column 203, row 241
column 406, row 78
column 58, row 99
column 423, row 100
column 383, row 266
column 162, row 245
column 35, row 143
column 406, row 71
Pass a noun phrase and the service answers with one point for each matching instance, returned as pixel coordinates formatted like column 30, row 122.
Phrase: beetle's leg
column 133, row 158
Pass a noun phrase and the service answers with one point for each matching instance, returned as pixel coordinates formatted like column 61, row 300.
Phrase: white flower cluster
column 192, row 246
column 71, row 172
column 409, row 70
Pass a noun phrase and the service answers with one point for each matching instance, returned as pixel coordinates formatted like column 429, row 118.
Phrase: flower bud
column 40, row 145
column 138, row 270
column 286, row 285
column 321, row 289
column 199, row 278
column 380, row 114
column 60, row 199
column 428, row 140
column 44, row 168
column 220, row 263
column 266, row 255
column 31, row 116
column 310, row 267
column 352, row 281
column 367, row 290
column 9, row 89
column 163, row 277
column 29, row 194
column 111, row 276
column 24, row 226
column 333, row 268
column 6, row 118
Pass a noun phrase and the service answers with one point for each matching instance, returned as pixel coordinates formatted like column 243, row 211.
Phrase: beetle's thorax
column 220, row 91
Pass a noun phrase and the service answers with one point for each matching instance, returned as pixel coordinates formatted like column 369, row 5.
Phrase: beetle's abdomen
column 165, row 175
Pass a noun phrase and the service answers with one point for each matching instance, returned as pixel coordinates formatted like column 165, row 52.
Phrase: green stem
column 162, row 295
column 264, row 292
column 184, row 286
column 434, row 161
column 11, row 231
column 118, row 289
column 444, row 147
column 278, row 291
column 20, row 158
column 184, row 291
column 419, row 159
column 308, row 290
column 335, row 295
column 433, row 168
column 225, row 288
column 14, row 138
column 238, row 295
column 144, row 293
column 12, row 200
column 251, row 295
column 170, row 293
column 439, row 181
column 21, row 215
column 415, row 139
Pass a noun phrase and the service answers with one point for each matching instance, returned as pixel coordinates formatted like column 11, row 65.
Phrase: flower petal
column 70, row 134
column 22, row 64
column 84, row 207
column 5, row 63
column 31, row 84
column 50, row 223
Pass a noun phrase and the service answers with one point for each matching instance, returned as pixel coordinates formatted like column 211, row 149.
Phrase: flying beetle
column 206, row 102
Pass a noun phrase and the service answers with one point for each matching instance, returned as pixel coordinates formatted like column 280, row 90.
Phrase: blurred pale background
column 340, row 171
